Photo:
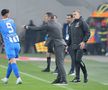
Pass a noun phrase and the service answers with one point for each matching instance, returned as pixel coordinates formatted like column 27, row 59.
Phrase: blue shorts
column 12, row 51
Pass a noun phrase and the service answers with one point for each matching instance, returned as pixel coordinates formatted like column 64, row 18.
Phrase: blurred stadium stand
column 25, row 10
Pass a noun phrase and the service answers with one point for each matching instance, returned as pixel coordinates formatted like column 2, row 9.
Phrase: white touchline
column 38, row 78
column 46, row 81
column 103, row 83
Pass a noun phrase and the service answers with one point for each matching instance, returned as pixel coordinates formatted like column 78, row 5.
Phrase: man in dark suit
column 69, row 20
column 28, row 37
column 54, row 31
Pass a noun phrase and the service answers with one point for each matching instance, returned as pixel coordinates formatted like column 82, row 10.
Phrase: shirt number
column 9, row 26
column 12, row 38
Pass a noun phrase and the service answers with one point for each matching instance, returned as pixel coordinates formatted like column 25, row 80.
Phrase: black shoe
column 55, row 71
column 56, row 81
column 59, row 82
column 71, row 73
column 46, row 70
column 63, row 82
column 75, row 80
column 85, row 80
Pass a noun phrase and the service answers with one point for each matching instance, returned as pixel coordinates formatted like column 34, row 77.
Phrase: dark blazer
column 54, row 31
column 65, row 25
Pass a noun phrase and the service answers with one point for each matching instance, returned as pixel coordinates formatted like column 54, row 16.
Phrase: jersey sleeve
column 0, row 27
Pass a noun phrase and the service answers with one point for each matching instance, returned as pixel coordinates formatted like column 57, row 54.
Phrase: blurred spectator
column 98, row 28
column 28, row 38
column 103, row 36
column 2, row 44
column 107, row 47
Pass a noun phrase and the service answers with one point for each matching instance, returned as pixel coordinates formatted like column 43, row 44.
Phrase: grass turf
column 34, row 79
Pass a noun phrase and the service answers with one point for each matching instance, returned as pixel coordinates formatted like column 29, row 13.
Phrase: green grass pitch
column 34, row 79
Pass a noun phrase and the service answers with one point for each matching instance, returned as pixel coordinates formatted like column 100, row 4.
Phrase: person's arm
column 42, row 27
column 86, row 31
column 86, row 34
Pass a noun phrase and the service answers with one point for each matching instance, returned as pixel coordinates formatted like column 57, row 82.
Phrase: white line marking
column 43, row 80
column 105, row 83
column 38, row 78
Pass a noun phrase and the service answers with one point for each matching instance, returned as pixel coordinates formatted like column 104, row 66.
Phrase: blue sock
column 15, row 69
column 9, row 70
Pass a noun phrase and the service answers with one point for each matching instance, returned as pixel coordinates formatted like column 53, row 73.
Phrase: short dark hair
column 4, row 12
column 70, row 15
column 50, row 14
column 77, row 10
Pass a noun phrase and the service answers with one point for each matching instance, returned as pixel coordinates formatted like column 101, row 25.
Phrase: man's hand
column 66, row 49
column 26, row 27
column 82, row 45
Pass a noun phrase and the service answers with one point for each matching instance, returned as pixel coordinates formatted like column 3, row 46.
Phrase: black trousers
column 77, row 57
column 72, row 60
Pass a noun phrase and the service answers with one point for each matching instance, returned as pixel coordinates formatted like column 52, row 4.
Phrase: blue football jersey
column 8, row 31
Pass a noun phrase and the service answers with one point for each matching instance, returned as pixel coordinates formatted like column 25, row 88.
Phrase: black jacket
column 78, row 32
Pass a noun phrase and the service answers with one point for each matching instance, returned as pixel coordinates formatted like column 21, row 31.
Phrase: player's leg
column 12, row 53
column 9, row 70
column 15, row 70
column 47, row 69
column 84, row 70
column 12, row 66
column 48, row 61
column 15, row 67
column 50, row 51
